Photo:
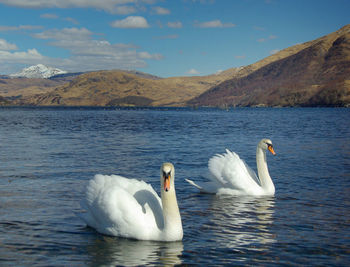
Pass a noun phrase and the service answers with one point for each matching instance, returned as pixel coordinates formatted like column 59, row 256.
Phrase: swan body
column 130, row 208
column 231, row 175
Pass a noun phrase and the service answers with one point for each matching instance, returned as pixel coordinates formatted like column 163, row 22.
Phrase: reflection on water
column 243, row 221
column 48, row 155
column 113, row 251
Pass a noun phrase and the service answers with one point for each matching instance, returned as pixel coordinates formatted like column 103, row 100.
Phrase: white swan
column 231, row 175
column 130, row 208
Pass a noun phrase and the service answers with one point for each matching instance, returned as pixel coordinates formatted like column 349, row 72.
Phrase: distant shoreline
column 158, row 108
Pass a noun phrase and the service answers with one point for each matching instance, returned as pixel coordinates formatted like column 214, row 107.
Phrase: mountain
column 38, row 71
column 316, row 73
column 124, row 88
column 18, row 88
column 132, row 88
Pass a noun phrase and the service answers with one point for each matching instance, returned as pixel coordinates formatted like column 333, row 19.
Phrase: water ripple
column 48, row 155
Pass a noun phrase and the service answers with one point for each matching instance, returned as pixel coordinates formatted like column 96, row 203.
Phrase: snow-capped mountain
column 38, row 71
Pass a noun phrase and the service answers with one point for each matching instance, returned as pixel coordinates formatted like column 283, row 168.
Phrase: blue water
column 47, row 156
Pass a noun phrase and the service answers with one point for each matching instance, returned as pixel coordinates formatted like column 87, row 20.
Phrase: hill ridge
column 314, row 73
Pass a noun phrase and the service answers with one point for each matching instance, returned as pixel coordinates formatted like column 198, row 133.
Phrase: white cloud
column 74, row 21
column 271, row 37
column 54, row 16
column 65, row 34
column 87, row 53
column 131, row 22
column 146, row 55
column 31, row 56
column 193, row 72
column 12, row 61
column 214, row 24
column 49, row 16
column 5, row 46
column 124, row 10
column 111, row 6
column 21, row 27
column 175, row 24
column 161, row 10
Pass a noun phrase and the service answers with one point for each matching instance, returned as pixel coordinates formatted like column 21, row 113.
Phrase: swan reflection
column 113, row 251
column 243, row 221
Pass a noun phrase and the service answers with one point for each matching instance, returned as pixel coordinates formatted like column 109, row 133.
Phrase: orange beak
column 271, row 150
column 166, row 184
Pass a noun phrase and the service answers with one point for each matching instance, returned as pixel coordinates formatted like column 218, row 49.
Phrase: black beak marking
column 166, row 176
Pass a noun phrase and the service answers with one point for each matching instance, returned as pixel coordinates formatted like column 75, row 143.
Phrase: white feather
column 231, row 175
column 128, row 208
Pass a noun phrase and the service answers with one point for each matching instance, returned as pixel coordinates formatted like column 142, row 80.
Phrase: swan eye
column 268, row 144
column 166, row 174
column 270, row 148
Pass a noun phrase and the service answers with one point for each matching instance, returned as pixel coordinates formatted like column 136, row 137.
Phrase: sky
column 165, row 38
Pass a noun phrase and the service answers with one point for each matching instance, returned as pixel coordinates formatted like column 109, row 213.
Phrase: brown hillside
column 105, row 88
column 134, row 88
column 318, row 74
column 4, row 102
column 16, row 88
column 310, row 74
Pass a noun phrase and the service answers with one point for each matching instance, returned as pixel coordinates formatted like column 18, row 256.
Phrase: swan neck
column 171, row 213
column 263, row 172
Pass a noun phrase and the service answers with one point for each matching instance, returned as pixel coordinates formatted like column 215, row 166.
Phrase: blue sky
column 162, row 37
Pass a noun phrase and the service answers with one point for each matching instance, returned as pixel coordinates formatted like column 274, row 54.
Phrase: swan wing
column 232, row 172
column 252, row 173
column 123, row 207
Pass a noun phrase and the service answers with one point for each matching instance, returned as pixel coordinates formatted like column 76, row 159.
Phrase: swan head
column 266, row 144
column 167, row 175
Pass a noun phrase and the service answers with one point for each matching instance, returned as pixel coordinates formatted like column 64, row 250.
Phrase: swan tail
column 86, row 215
column 207, row 188
column 194, row 184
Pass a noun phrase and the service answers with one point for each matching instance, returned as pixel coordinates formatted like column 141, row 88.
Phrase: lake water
column 47, row 156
